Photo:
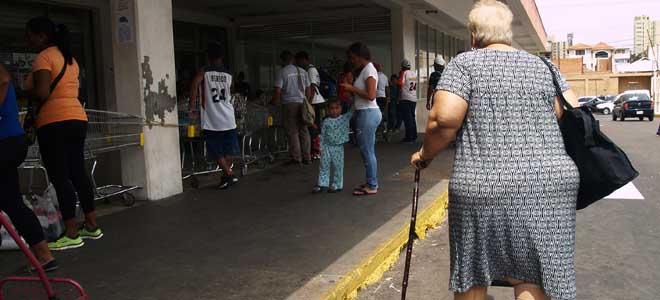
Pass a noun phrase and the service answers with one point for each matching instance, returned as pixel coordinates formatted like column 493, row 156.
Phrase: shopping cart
column 40, row 287
column 253, row 123
column 106, row 132
column 277, row 139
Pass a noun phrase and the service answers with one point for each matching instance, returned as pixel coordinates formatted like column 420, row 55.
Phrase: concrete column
column 404, row 46
column 403, row 37
column 143, row 49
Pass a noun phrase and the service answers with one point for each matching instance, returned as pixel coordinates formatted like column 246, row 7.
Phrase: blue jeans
column 408, row 109
column 366, row 122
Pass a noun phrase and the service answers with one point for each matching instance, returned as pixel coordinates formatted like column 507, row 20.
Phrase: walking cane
column 411, row 234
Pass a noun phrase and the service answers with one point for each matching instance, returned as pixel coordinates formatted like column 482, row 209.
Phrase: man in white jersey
column 214, row 84
column 408, row 100
column 292, row 87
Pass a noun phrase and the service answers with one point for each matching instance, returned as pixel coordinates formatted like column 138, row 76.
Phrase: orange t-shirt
column 63, row 103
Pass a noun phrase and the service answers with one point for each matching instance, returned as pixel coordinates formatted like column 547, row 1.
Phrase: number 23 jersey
column 217, row 104
column 408, row 82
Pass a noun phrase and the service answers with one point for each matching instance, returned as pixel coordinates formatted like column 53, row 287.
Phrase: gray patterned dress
column 513, row 191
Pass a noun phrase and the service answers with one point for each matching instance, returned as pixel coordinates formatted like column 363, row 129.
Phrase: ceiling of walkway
column 253, row 11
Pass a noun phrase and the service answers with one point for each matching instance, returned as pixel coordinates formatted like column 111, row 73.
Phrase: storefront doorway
column 18, row 60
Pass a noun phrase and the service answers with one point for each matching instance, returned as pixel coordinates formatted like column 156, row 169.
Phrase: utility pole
column 656, row 73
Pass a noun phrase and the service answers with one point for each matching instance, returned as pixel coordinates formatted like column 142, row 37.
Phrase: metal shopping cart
column 278, row 140
column 192, row 142
column 107, row 131
column 40, row 287
column 253, row 124
column 111, row 131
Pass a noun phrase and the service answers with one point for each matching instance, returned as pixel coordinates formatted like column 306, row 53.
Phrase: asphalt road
column 618, row 240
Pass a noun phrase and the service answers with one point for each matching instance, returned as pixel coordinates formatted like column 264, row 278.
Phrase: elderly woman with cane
column 512, row 195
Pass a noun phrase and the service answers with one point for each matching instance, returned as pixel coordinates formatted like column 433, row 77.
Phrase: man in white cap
column 408, row 100
column 438, row 67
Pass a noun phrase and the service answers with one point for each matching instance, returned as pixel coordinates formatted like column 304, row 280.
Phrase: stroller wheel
column 244, row 170
column 128, row 199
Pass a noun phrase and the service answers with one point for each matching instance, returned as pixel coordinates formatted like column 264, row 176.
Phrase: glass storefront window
column 447, row 48
column 423, row 60
column 433, row 52
column 430, row 43
column 190, row 42
column 18, row 60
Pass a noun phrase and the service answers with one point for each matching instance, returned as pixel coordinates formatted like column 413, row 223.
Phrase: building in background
column 584, row 53
column 598, row 58
column 570, row 38
column 621, row 56
column 559, row 50
column 645, row 32
column 656, row 31
column 601, row 70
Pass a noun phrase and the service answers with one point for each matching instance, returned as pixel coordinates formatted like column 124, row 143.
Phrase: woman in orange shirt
column 61, row 128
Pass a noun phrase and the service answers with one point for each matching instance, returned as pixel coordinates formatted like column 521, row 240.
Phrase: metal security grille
column 324, row 27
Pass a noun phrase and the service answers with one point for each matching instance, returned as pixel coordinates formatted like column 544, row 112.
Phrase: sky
column 594, row 21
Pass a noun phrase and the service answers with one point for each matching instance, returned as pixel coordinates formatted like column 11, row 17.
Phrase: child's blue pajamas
column 334, row 134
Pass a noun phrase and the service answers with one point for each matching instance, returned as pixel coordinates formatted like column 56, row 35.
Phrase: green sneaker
column 66, row 243
column 87, row 233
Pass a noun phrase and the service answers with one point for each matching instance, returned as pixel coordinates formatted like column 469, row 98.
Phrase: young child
column 334, row 134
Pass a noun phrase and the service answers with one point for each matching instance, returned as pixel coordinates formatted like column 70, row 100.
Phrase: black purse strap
column 587, row 122
column 53, row 85
column 57, row 80
column 555, row 81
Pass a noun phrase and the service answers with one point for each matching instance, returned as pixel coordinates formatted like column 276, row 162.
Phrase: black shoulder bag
column 603, row 166
column 30, row 121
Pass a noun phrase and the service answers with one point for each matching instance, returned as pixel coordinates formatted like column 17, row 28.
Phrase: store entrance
column 18, row 59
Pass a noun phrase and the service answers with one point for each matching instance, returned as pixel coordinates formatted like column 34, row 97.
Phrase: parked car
column 605, row 107
column 585, row 99
column 633, row 104
column 592, row 104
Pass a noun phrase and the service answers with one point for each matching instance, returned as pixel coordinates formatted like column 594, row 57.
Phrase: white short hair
column 490, row 23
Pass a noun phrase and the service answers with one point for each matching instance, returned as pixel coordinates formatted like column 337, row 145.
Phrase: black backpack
column 603, row 166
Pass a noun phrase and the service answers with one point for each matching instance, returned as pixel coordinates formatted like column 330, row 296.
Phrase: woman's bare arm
column 445, row 120
column 41, row 90
column 370, row 93
column 570, row 97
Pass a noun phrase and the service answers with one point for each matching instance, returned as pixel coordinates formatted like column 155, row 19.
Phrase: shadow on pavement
column 263, row 239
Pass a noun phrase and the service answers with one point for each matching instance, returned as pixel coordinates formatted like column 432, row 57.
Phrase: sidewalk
column 266, row 238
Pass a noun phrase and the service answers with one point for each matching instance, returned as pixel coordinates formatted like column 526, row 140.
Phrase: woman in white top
column 367, row 114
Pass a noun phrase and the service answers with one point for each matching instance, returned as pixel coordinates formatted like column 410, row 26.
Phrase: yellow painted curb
column 371, row 269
